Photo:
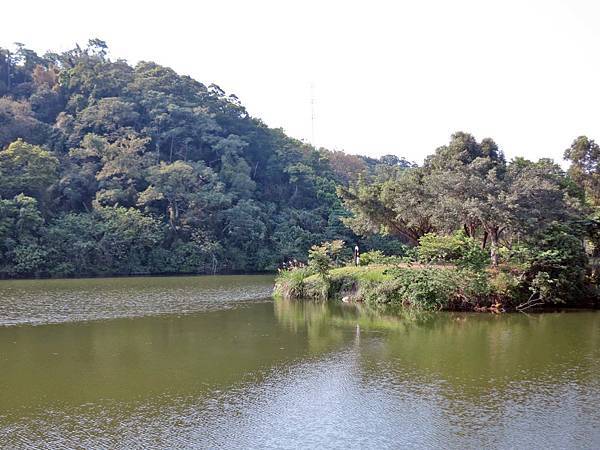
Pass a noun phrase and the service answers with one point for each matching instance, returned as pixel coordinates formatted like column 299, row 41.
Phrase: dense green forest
column 107, row 169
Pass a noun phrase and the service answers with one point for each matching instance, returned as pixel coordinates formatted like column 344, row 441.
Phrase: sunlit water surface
column 204, row 362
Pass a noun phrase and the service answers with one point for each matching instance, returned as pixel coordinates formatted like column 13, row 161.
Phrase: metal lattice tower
column 312, row 114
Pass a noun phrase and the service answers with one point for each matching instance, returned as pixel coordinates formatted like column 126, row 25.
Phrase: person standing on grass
column 356, row 255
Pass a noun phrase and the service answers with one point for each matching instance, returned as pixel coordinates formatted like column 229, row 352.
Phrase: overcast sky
column 389, row 77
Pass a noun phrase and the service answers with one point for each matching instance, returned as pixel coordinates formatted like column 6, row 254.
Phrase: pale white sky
column 390, row 76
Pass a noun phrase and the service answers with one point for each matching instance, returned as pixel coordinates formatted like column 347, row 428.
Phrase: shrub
column 29, row 258
column 558, row 265
column 506, row 285
column 389, row 245
column 428, row 289
column 552, row 265
column 322, row 257
column 377, row 257
column 411, row 255
column 290, row 284
column 318, row 260
column 456, row 248
column 382, row 293
column 316, row 288
column 474, row 286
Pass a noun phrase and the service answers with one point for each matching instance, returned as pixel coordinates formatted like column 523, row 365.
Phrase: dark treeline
column 107, row 169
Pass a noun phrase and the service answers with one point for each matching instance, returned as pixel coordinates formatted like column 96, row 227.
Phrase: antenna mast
column 312, row 114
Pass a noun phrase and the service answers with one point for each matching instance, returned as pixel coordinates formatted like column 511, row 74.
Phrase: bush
column 382, row 293
column 475, row 286
column 553, row 265
column 316, row 288
column 456, row 248
column 29, row 258
column 290, row 283
column 389, row 245
column 377, row 257
column 428, row 289
column 323, row 257
column 506, row 285
column 558, row 266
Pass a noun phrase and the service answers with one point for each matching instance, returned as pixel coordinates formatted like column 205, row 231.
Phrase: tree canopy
column 108, row 168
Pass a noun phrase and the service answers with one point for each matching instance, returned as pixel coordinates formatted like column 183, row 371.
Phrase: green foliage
column 29, row 258
column 196, row 256
column 72, row 239
column 322, row 257
column 424, row 289
column 456, row 248
column 378, row 257
column 465, row 185
column 21, row 224
column 420, row 288
column 290, row 284
column 468, row 202
column 80, row 133
column 367, row 274
column 109, row 240
column 372, row 257
column 551, row 266
column 26, row 169
column 584, row 155
column 388, row 245
column 316, row 288
column 18, row 120
column 542, row 286
column 127, row 238
column 397, row 206
column 507, row 286
column 557, row 264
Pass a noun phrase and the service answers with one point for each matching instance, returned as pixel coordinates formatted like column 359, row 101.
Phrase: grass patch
column 375, row 273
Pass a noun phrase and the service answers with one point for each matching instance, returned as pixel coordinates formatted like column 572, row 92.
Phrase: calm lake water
column 204, row 362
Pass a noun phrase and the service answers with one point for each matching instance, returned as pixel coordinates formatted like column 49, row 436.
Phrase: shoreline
column 141, row 275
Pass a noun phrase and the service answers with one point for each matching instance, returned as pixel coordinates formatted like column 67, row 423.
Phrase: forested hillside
column 107, row 168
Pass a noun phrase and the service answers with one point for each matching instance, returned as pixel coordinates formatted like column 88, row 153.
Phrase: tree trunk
column 409, row 236
column 255, row 169
column 494, row 247
column 470, row 229
column 173, row 211
column 8, row 70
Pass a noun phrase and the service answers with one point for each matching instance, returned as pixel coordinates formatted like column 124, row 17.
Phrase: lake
column 205, row 362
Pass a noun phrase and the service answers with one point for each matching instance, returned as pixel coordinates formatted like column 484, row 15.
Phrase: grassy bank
column 449, row 272
column 427, row 287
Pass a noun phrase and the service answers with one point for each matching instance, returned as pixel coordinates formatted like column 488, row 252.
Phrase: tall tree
column 26, row 169
column 584, row 155
column 187, row 190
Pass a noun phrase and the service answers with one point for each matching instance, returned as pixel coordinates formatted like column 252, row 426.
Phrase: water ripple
column 56, row 301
